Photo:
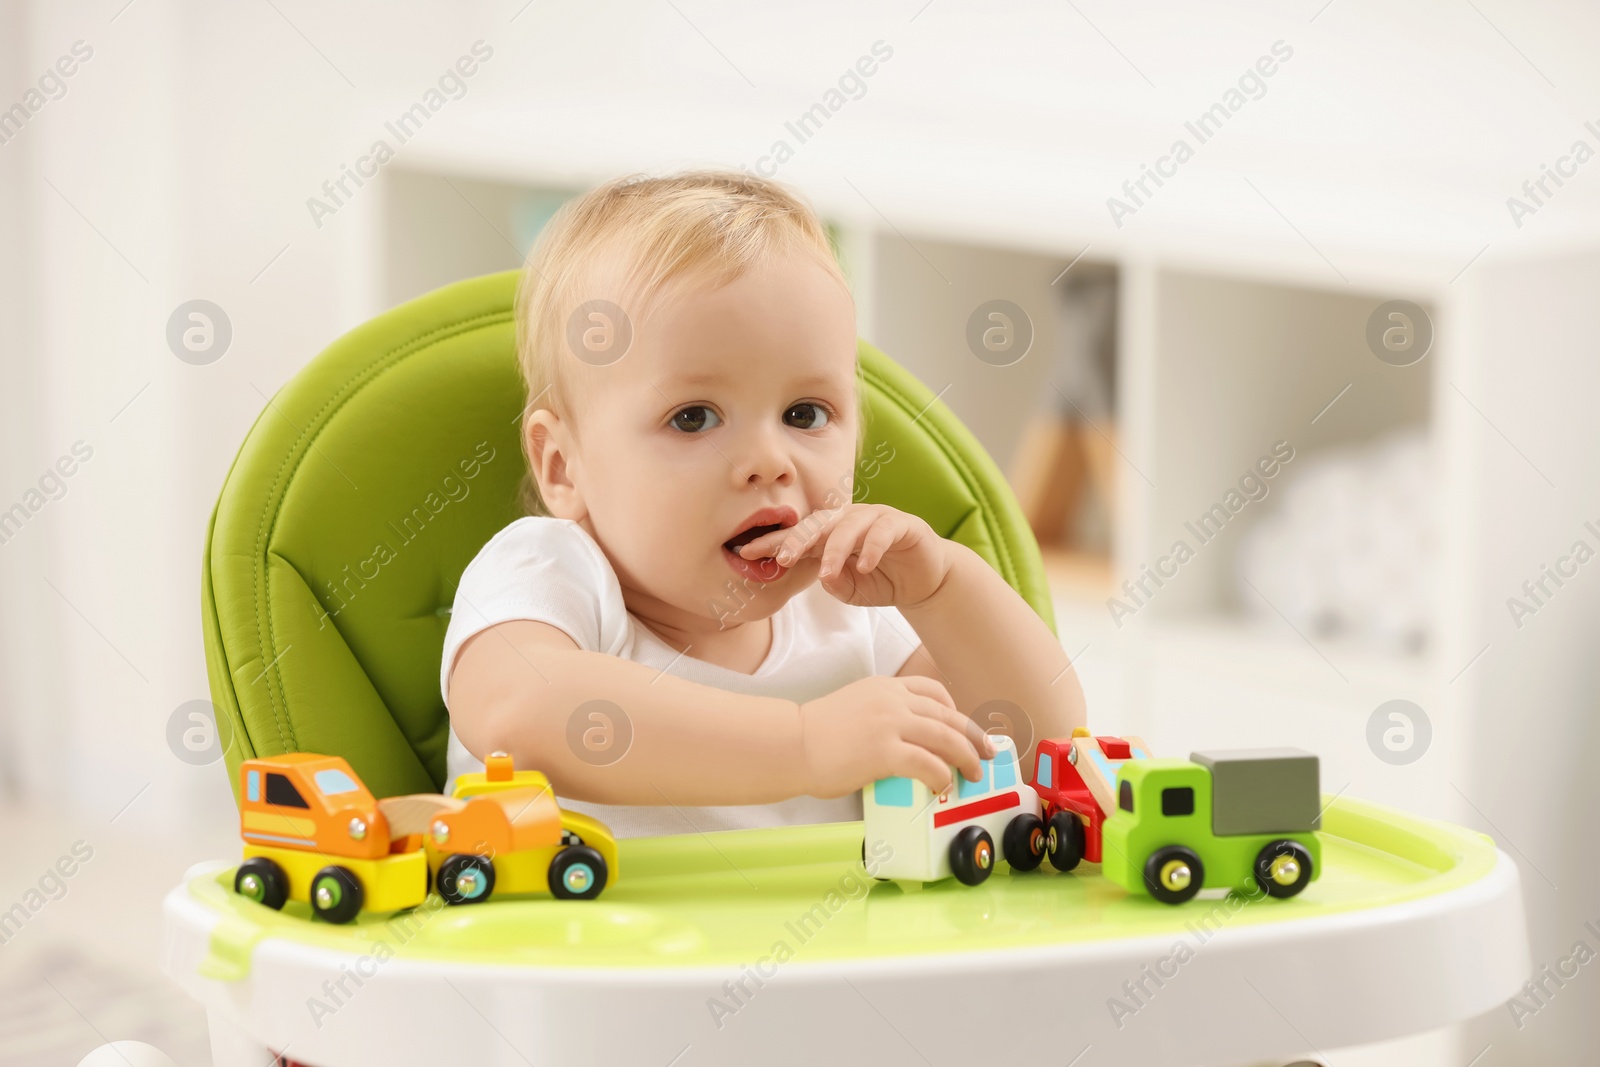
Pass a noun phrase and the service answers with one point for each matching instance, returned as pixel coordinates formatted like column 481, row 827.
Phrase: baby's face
column 734, row 408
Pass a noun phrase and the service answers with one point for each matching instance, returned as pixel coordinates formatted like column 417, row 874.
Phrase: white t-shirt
column 550, row 570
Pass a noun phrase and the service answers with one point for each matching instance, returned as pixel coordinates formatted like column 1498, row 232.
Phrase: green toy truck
column 1242, row 819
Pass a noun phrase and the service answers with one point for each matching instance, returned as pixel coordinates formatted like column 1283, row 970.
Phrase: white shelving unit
column 1219, row 369
column 1214, row 369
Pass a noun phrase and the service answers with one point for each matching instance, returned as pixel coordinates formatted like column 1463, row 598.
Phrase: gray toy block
column 1262, row 790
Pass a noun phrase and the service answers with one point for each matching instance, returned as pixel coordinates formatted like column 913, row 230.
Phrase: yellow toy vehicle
column 502, row 832
column 314, row 833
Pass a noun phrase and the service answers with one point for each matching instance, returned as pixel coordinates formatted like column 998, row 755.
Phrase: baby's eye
column 806, row 416
column 695, row 418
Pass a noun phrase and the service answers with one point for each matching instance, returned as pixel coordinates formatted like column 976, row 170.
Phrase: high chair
column 350, row 513
column 364, row 489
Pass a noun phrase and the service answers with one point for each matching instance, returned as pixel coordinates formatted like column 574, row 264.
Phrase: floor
column 78, row 953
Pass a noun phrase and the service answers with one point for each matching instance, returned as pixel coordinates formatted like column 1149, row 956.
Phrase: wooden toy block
column 1098, row 759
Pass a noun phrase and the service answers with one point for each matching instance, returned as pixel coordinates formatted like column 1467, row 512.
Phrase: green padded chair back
column 375, row 475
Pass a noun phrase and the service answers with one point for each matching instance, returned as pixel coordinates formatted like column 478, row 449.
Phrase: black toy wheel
column 1283, row 868
column 1174, row 874
column 864, row 861
column 1064, row 841
column 466, row 879
column 263, row 881
column 336, row 894
column 972, row 855
column 577, row 873
column 1024, row 842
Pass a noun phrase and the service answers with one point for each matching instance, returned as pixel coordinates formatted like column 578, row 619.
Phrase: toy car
column 502, row 832
column 927, row 837
column 1076, row 779
column 1242, row 819
column 313, row 833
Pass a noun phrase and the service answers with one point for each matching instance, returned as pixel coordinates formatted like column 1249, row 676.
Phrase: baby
column 701, row 629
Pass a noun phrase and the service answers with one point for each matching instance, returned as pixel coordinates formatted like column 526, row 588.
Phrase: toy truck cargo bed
column 1262, row 790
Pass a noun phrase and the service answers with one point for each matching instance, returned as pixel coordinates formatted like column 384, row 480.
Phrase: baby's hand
column 898, row 559
column 884, row 727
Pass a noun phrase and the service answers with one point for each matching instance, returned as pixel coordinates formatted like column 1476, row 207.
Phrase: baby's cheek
column 676, row 563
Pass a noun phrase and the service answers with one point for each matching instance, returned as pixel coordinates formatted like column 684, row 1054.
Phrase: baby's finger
column 760, row 548
column 922, row 685
column 842, row 541
column 804, row 538
column 767, row 544
column 880, row 539
column 914, row 761
column 945, row 742
column 772, row 543
column 956, row 721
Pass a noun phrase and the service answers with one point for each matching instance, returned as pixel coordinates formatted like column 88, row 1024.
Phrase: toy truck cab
column 1075, row 778
column 1242, row 819
column 926, row 836
column 313, row 833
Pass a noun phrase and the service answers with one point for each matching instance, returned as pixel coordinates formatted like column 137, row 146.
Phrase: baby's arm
column 978, row 635
column 515, row 685
column 986, row 643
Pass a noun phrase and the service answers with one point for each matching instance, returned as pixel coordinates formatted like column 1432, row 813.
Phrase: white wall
column 175, row 167
column 18, row 416
column 1535, row 733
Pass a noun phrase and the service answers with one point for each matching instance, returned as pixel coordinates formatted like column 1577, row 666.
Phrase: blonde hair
column 705, row 223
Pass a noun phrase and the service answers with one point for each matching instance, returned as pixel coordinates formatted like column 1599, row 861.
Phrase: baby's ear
column 550, row 451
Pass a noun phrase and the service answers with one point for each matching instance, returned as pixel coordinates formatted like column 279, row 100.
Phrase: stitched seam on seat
column 969, row 477
column 269, row 518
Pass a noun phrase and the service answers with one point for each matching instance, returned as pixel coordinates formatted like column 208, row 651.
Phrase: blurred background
column 1306, row 288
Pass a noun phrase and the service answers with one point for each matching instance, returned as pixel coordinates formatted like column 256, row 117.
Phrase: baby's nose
column 780, row 472
column 768, row 460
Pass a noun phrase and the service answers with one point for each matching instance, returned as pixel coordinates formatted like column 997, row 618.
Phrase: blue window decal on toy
column 252, row 787
column 892, row 792
column 1043, row 778
column 1108, row 767
column 334, row 782
column 1005, row 769
column 970, row 789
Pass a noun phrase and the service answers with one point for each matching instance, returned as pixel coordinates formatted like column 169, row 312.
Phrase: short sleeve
column 893, row 640
column 544, row 570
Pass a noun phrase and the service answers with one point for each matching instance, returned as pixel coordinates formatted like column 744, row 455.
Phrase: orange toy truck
column 312, row 832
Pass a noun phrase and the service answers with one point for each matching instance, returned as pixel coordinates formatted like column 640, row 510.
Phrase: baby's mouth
column 734, row 544
column 761, row 522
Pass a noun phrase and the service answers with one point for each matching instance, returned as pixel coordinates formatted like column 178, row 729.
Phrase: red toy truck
column 1076, row 778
